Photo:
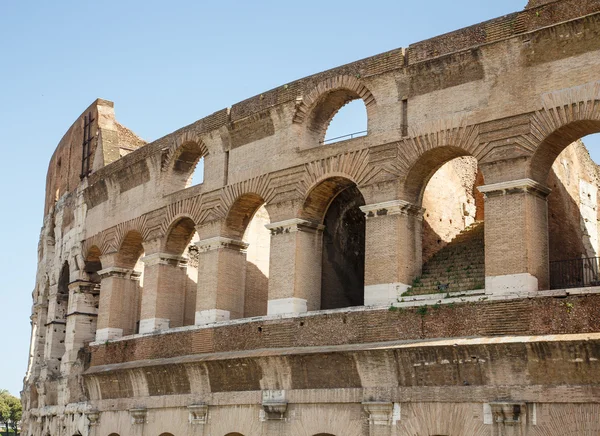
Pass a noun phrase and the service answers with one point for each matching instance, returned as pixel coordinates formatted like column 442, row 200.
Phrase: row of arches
column 335, row 204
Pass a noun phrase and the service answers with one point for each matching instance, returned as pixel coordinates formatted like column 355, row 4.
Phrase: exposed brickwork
column 133, row 247
column 540, row 316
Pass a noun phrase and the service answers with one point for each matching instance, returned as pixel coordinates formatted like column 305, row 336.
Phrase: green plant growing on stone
column 422, row 310
column 393, row 308
column 569, row 306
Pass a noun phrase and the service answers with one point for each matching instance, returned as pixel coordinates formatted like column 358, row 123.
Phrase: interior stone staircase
column 457, row 267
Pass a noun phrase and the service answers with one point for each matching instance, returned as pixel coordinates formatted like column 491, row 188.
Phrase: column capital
column 294, row 225
column 115, row 271
column 393, row 207
column 164, row 259
column 521, row 186
column 83, row 286
column 219, row 242
column 380, row 412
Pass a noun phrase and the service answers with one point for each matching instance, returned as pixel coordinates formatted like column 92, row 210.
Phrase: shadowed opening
column 246, row 221
column 444, row 182
column 335, row 203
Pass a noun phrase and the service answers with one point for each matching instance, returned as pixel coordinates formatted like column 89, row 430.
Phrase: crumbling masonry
column 398, row 283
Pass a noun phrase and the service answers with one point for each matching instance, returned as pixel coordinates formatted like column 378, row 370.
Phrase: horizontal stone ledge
column 427, row 394
column 519, row 186
column 361, row 347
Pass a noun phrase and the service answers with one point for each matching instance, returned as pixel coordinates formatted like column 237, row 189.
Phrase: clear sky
column 165, row 64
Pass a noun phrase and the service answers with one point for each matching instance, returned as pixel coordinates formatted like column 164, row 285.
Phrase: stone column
column 163, row 295
column 393, row 250
column 56, row 327
column 221, row 279
column 295, row 266
column 82, row 315
column 516, row 236
column 119, row 295
column 380, row 417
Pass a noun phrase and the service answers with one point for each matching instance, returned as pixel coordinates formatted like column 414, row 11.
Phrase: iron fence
column 348, row 136
column 574, row 273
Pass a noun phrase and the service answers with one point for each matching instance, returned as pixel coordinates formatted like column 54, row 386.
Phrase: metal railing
column 574, row 273
column 348, row 136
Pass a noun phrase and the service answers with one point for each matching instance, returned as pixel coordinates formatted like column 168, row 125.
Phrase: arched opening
column 349, row 122
column 573, row 214
column 246, row 220
column 166, row 434
column 130, row 257
column 198, row 173
column 352, row 112
column 444, row 182
column 234, row 434
column 58, row 325
column 181, row 241
column 93, row 264
column 335, row 203
column 186, row 168
column 114, row 434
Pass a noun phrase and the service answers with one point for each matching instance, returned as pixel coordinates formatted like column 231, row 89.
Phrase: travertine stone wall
column 511, row 94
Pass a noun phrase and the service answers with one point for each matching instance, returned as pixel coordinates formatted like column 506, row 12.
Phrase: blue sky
column 165, row 65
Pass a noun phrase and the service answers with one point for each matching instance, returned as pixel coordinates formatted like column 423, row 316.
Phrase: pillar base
column 153, row 324
column 108, row 334
column 384, row 294
column 286, row 305
column 523, row 282
column 211, row 316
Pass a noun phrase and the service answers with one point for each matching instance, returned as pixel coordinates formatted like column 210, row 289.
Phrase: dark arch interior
column 63, row 281
column 180, row 236
column 131, row 249
column 241, row 213
column 188, row 157
column 93, row 265
column 428, row 164
column 343, row 258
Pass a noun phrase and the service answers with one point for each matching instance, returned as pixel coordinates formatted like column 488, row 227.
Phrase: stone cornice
column 394, row 207
column 520, row 186
column 219, row 242
column 294, row 225
column 164, row 259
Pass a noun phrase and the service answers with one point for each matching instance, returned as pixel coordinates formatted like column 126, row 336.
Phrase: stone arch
column 318, row 107
column 245, row 221
column 114, row 434
column 234, row 434
column 166, row 434
column 442, row 182
column 567, row 115
column 424, row 167
column 179, row 234
column 92, row 264
column 335, row 203
column 130, row 249
column 179, row 241
column 319, row 196
column 180, row 160
column 240, row 214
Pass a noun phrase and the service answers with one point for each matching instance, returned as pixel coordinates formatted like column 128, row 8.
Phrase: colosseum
column 436, row 275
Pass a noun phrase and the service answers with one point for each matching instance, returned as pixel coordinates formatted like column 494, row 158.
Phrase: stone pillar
column 393, row 250
column 295, row 266
column 221, row 280
column 119, row 295
column 56, row 328
column 163, row 295
column 516, row 236
column 380, row 417
column 82, row 315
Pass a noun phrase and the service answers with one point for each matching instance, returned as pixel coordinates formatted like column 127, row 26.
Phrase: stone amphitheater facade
column 287, row 293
